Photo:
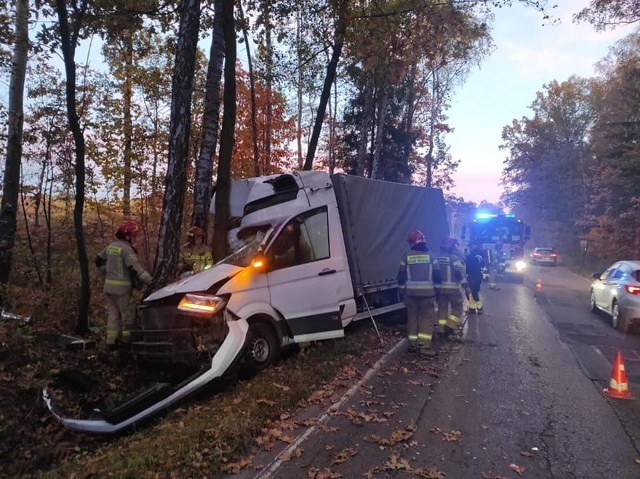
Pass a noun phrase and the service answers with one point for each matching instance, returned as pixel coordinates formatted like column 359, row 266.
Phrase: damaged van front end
column 187, row 322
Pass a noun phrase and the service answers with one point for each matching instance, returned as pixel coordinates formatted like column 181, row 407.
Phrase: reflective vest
column 419, row 268
column 120, row 264
column 197, row 260
column 448, row 264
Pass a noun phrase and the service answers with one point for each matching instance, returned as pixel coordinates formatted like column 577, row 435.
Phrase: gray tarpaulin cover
column 377, row 217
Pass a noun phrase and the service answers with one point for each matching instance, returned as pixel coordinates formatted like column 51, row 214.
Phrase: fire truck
column 487, row 229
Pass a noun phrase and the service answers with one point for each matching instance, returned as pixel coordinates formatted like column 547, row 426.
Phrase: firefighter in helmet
column 474, row 268
column 416, row 275
column 451, row 277
column 195, row 255
column 123, row 272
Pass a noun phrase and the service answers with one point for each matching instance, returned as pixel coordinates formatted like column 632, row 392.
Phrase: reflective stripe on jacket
column 419, row 273
column 120, row 261
column 196, row 260
column 448, row 265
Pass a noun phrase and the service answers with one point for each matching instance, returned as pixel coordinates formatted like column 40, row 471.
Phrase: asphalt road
column 519, row 396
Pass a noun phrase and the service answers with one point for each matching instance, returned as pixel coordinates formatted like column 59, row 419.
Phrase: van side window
column 303, row 240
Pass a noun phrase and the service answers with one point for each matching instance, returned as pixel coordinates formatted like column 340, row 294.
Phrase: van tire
column 262, row 349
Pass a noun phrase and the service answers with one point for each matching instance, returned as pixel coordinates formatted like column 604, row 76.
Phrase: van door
column 304, row 278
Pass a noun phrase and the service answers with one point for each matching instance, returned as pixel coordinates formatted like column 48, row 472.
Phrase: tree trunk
column 365, row 123
column 269, row 86
column 127, row 94
column 223, row 185
column 299, row 86
column 332, row 67
column 68, row 42
column 211, row 121
column 168, row 251
column 11, row 183
column 254, row 125
column 382, row 117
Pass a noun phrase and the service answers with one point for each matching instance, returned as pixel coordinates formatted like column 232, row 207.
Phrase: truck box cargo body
column 376, row 218
column 314, row 253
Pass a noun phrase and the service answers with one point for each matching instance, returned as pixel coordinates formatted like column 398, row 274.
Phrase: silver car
column 617, row 293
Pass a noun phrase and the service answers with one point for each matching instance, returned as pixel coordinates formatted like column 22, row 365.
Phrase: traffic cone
column 538, row 289
column 618, row 385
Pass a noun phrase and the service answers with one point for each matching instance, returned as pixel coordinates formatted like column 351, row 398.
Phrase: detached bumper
column 162, row 396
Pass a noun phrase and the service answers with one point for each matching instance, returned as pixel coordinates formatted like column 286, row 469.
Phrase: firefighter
column 474, row 267
column 123, row 272
column 416, row 275
column 195, row 255
column 448, row 282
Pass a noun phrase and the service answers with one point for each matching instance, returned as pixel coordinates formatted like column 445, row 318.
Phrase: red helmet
column 128, row 228
column 448, row 242
column 416, row 237
column 195, row 231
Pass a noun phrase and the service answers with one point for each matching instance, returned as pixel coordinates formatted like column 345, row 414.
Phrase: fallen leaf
column 526, row 453
column 517, row 469
column 266, row 401
column 236, row 467
column 343, row 456
column 288, row 455
column 451, row 436
column 428, row 473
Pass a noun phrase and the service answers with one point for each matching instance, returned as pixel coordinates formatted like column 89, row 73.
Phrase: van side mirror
column 463, row 233
column 596, row 275
column 527, row 232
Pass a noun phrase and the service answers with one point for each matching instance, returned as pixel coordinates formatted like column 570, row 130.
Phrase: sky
column 527, row 55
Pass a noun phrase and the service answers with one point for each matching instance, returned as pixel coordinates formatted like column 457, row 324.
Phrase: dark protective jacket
column 475, row 264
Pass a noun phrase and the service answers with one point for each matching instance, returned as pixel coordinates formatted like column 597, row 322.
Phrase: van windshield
column 243, row 256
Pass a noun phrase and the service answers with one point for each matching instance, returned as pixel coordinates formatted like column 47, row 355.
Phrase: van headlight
column 521, row 265
column 202, row 304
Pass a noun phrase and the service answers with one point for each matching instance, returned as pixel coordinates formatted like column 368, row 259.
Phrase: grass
column 205, row 438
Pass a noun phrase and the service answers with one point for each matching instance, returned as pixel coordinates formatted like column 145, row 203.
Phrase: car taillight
column 553, row 255
column 632, row 289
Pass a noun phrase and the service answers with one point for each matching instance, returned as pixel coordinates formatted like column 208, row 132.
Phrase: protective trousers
column 421, row 318
column 449, row 309
column 121, row 313
column 475, row 299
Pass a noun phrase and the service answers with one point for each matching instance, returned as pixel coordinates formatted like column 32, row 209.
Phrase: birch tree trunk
column 11, row 182
column 168, row 251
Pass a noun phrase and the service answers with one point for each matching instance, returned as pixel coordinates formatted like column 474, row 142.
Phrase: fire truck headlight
column 521, row 265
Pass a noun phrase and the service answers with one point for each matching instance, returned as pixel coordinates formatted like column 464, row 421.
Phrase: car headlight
column 521, row 265
column 202, row 304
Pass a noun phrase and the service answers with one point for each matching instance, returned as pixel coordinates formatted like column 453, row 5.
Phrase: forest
column 139, row 110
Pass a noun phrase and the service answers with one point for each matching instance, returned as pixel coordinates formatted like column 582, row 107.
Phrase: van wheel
column 262, row 349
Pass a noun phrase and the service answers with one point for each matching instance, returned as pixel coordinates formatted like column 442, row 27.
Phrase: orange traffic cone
column 538, row 289
column 618, row 385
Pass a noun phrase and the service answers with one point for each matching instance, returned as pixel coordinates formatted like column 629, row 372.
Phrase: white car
column 543, row 256
column 616, row 291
